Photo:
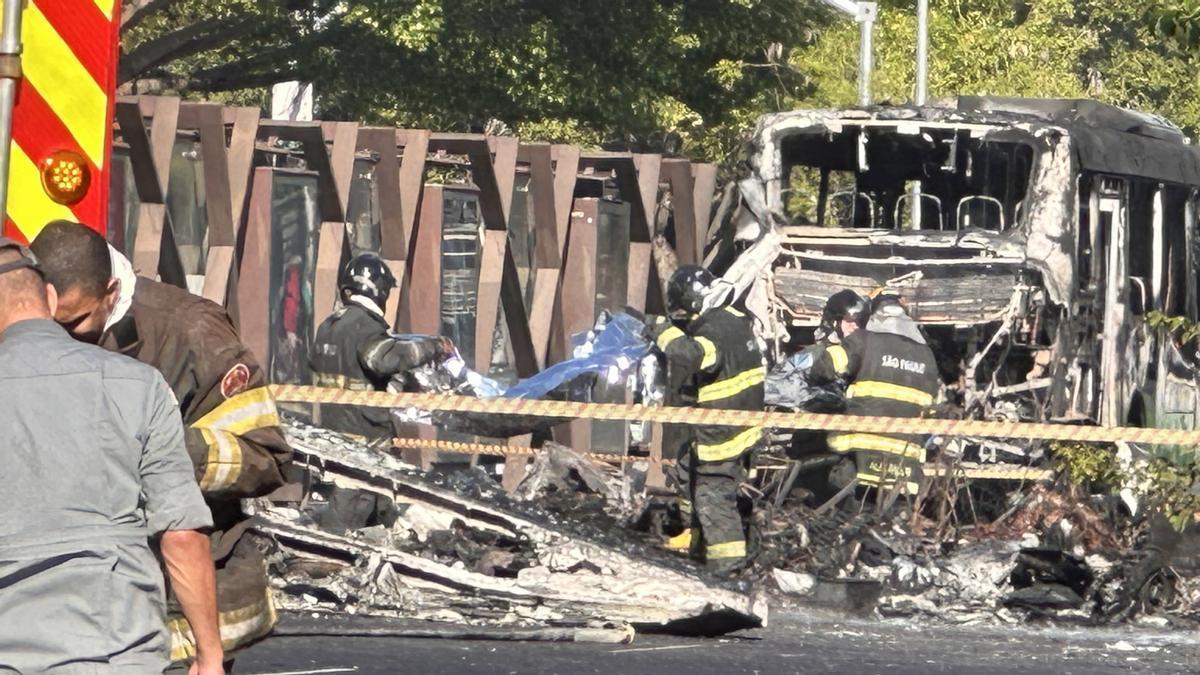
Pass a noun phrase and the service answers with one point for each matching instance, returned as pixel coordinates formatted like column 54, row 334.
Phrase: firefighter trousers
column 709, row 490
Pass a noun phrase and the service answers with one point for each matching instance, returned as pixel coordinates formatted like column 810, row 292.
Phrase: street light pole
column 920, row 98
column 866, row 50
column 864, row 14
column 922, row 93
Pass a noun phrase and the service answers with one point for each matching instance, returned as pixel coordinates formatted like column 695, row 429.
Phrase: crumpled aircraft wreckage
column 373, row 535
column 1030, row 240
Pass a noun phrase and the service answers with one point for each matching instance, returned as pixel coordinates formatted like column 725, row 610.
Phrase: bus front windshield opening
column 927, row 179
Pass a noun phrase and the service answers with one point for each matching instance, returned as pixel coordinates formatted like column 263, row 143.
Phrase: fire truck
column 58, row 66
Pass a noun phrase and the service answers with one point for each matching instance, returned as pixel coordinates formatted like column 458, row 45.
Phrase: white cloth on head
column 367, row 304
column 122, row 271
column 893, row 319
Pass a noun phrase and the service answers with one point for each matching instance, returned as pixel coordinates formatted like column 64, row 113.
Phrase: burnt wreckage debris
column 890, row 564
column 987, row 219
column 456, row 548
column 375, row 536
column 992, row 219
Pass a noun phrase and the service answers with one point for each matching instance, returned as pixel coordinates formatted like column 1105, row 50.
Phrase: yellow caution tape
column 468, row 448
column 737, row 418
column 991, row 472
column 966, row 470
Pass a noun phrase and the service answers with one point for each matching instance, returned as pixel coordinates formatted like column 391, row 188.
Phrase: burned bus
column 1031, row 238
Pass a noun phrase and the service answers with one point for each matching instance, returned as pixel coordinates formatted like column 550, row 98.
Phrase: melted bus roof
column 1105, row 138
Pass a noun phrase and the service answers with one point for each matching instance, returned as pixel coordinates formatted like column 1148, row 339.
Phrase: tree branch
column 256, row 71
column 234, row 82
column 186, row 41
column 134, row 12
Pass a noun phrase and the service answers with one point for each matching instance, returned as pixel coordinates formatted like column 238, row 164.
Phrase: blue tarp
column 611, row 352
column 616, row 348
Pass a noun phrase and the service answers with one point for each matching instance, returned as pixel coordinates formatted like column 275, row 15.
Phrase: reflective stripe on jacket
column 232, row 432
column 717, row 360
column 892, row 373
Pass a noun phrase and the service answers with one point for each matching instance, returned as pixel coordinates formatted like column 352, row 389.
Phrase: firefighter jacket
column 355, row 350
column 232, row 434
column 716, row 362
column 891, row 372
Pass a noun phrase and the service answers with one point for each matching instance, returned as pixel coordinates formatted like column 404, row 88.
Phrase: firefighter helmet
column 369, row 276
column 845, row 304
column 885, row 297
column 687, row 290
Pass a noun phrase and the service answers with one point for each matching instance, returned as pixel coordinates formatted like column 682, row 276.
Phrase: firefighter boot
column 681, row 543
column 684, row 542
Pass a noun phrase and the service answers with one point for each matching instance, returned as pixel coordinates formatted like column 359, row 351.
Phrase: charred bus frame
column 1045, row 232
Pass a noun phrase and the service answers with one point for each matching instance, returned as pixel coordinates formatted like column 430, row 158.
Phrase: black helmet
column 885, row 297
column 845, row 304
column 686, row 291
column 367, row 275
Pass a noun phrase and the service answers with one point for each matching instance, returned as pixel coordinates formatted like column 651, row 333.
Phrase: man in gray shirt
column 93, row 466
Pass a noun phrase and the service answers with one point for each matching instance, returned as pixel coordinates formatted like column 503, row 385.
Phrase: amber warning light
column 66, row 177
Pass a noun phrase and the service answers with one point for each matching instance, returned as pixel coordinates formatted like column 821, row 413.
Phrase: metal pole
column 922, row 52
column 921, row 97
column 866, row 51
column 10, row 75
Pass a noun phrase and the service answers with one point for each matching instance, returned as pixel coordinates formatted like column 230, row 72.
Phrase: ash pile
column 368, row 534
column 1036, row 553
column 578, row 544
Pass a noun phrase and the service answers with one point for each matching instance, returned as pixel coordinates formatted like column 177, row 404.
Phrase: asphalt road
column 792, row 644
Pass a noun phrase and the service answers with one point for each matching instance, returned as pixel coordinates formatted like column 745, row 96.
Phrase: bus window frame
column 1191, row 241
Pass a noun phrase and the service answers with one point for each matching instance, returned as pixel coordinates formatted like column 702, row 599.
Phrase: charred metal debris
column 1030, row 239
column 576, row 547
column 368, row 534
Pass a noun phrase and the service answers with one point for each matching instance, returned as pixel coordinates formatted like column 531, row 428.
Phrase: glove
column 656, row 325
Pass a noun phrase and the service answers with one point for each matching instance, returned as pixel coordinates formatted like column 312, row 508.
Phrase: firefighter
column 891, row 372
column 844, row 313
column 821, row 472
column 356, row 350
column 713, row 360
column 232, row 427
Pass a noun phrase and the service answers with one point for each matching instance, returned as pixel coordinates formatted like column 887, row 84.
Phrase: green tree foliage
column 688, row 76
column 200, row 47
column 1161, row 485
column 654, row 75
column 1179, row 328
column 1111, row 50
column 976, row 48
column 1178, row 23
